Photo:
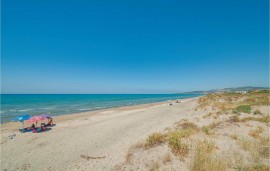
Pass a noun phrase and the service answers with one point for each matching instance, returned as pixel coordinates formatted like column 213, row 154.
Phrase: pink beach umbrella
column 45, row 116
column 36, row 119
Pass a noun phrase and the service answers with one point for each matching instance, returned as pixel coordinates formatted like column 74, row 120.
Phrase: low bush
column 265, row 119
column 207, row 130
column 257, row 112
column 190, row 126
column 155, row 139
column 243, row 108
column 204, row 160
column 234, row 136
column 177, row 146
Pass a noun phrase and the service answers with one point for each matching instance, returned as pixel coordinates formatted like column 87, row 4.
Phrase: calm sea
column 13, row 105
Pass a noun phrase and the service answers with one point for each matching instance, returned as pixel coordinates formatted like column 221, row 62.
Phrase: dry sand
column 96, row 140
column 110, row 139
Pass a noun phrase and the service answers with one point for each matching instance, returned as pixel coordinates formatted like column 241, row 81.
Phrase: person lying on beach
column 43, row 128
column 29, row 128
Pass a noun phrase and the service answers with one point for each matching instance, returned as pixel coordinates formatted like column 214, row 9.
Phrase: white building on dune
column 241, row 92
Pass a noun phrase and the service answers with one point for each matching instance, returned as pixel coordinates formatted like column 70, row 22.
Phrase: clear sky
column 85, row 46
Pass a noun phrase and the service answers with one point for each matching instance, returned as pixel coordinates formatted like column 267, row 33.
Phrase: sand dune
column 230, row 131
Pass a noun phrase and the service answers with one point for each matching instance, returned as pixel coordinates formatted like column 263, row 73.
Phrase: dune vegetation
column 228, row 132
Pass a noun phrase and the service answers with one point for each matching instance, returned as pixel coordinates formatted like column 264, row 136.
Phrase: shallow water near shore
column 13, row 105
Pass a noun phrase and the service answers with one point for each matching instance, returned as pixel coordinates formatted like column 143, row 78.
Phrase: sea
column 13, row 105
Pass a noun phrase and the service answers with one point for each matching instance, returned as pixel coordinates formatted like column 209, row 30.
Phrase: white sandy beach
column 105, row 139
column 106, row 133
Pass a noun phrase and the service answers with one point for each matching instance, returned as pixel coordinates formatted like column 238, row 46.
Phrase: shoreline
column 108, row 133
column 14, row 126
column 119, row 138
column 125, row 107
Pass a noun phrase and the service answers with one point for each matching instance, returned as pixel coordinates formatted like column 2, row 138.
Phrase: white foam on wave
column 24, row 110
column 84, row 109
column 47, row 108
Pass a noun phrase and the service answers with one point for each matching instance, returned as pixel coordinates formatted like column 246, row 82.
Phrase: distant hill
column 246, row 88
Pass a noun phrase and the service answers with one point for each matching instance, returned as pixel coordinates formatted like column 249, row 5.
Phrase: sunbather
column 50, row 122
column 27, row 129
column 43, row 128
column 33, row 126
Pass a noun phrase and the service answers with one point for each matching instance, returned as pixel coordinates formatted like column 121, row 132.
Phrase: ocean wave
column 99, row 107
column 47, row 108
column 24, row 110
column 84, row 109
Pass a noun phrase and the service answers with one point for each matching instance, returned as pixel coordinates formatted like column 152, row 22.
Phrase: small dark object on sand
column 90, row 157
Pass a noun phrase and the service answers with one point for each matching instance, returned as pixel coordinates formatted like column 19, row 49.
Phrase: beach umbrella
column 45, row 116
column 36, row 119
column 22, row 118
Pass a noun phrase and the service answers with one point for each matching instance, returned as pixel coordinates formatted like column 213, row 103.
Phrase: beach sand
column 102, row 140
column 105, row 133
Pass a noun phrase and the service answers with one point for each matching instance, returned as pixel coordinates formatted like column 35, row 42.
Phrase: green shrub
column 178, row 148
column 243, row 108
column 155, row 139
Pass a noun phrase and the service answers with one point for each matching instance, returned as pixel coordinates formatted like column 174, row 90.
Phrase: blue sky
column 137, row 46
